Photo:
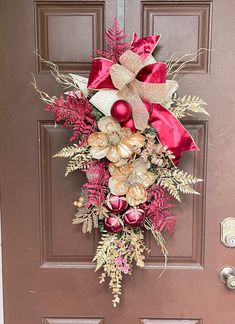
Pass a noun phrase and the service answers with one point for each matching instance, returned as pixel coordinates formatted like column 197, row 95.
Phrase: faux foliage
column 186, row 105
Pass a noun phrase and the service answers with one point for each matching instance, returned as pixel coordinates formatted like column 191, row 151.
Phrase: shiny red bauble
column 129, row 124
column 116, row 204
column 121, row 111
column 113, row 224
column 134, row 217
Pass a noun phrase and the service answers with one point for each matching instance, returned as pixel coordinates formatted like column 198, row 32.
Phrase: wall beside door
column 1, row 295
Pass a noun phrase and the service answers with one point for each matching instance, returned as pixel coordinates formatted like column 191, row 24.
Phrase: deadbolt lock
column 228, row 232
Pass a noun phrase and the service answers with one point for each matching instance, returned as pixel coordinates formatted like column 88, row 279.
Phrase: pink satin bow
column 171, row 132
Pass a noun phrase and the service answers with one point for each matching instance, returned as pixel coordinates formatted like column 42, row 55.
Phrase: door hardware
column 228, row 232
column 227, row 276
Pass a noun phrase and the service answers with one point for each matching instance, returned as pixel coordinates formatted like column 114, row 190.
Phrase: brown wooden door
column 47, row 270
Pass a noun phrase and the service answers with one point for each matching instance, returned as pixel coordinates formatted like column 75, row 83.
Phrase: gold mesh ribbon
column 123, row 76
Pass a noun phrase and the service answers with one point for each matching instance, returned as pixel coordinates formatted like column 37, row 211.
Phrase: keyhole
column 232, row 283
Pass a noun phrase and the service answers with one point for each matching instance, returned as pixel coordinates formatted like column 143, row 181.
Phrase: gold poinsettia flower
column 114, row 142
column 132, row 180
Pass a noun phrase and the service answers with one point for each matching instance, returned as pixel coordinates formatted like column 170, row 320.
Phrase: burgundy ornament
column 116, row 204
column 129, row 124
column 134, row 217
column 113, row 224
column 121, row 111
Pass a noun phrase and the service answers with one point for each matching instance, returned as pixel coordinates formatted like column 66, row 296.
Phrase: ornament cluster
column 121, row 215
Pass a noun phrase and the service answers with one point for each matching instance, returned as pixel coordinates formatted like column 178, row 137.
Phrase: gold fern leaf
column 184, row 188
column 170, row 186
column 176, row 181
column 70, row 151
column 185, row 177
column 184, row 106
column 78, row 155
column 77, row 162
column 89, row 217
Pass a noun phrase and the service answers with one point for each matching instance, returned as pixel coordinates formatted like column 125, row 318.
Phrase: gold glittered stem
column 42, row 95
column 174, row 65
column 66, row 81
column 160, row 242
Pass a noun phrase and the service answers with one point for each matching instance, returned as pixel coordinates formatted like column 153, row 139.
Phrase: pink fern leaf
column 116, row 46
column 75, row 112
column 97, row 186
column 157, row 209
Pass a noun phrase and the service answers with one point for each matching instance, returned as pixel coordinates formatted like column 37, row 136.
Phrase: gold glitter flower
column 132, row 180
column 113, row 142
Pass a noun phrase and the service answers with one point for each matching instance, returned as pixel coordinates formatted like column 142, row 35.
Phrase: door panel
column 162, row 321
column 48, row 274
column 60, row 239
column 191, row 29
column 73, row 321
column 68, row 32
column 187, row 244
column 61, row 242
column 185, row 27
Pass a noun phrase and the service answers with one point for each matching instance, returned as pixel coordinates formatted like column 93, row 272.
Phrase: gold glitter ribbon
column 123, row 76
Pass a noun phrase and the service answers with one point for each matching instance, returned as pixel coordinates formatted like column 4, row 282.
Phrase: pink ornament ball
column 121, row 111
column 116, row 204
column 134, row 217
column 113, row 224
column 129, row 124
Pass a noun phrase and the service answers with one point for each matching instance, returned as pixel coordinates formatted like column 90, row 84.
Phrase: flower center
column 133, row 179
column 113, row 138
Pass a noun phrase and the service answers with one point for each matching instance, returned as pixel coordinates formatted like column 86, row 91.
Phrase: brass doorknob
column 227, row 276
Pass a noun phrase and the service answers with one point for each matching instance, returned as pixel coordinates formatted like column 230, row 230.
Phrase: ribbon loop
column 121, row 76
column 132, row 61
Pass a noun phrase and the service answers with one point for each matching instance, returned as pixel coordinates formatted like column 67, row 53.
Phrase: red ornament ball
column 121, row 111
column 134, row 217
column 116, row 204
column 129, row 124
column 113, row 224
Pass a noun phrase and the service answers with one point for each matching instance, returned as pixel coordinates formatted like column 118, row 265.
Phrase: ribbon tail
column 171, row 132
column 140, row 114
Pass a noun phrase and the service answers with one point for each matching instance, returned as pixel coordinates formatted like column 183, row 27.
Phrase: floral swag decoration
column 128, row 140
